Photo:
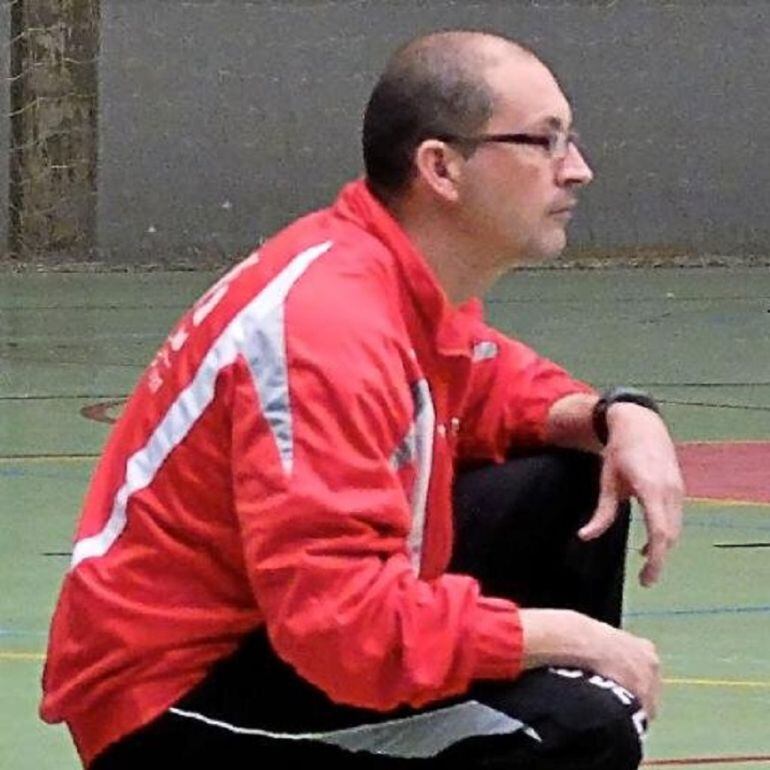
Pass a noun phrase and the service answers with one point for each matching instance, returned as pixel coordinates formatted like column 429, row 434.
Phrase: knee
column 618, row 744
column 608, row 735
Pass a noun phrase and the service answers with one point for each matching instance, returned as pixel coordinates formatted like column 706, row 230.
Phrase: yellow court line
column 727, row 501
column 22, row 656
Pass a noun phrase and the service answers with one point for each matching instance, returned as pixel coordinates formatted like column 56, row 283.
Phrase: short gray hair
column 433, row 86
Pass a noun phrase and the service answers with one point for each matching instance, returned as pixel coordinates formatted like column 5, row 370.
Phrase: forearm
column 570, row 423
column 555, row 638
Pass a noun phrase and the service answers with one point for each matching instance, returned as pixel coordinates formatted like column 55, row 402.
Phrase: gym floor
column 73, row 344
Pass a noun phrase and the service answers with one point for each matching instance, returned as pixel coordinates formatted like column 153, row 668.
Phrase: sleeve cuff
column 498, row 640
column 567, row 388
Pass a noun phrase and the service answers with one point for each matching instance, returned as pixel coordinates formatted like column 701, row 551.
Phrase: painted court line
column 716, row 405
column 728, row 502
column 717, row 682
column 47, row 458
column 723, row 441
column 732, row 760
column 685, row 611
column 59, row 397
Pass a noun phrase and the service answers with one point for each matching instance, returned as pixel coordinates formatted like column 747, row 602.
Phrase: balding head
column 435, row 85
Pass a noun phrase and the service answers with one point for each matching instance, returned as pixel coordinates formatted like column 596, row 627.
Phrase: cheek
column 527, row 190
column 507, row 198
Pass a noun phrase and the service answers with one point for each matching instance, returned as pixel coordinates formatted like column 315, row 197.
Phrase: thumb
column 606, row 510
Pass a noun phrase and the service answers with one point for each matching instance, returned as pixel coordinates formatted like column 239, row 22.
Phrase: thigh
column 516, row 529
column 253, row 709
column 173, row 741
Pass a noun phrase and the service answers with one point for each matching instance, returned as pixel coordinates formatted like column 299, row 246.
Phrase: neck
column 463, row 267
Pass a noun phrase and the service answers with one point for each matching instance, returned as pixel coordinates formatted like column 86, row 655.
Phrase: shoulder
column 353, row 286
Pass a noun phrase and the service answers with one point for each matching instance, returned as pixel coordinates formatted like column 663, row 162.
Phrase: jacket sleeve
column 325, row 522
column 512, row 389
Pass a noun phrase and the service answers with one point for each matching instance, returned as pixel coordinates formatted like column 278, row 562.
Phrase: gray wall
column 222, row 120
column 5, row 34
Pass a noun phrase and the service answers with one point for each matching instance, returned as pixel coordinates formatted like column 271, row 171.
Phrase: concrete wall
column 222, row 120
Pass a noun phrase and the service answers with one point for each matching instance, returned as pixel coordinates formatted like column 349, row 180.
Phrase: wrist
column 617, row 395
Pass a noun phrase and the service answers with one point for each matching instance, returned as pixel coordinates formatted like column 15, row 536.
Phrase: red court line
column 102, row 411
column 739, row 760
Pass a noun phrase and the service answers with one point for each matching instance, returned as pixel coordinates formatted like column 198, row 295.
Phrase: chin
column 549, row 248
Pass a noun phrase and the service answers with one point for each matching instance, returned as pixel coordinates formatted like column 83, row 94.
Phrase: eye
column 546, row 141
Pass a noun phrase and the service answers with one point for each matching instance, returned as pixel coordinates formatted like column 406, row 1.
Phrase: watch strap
column 618, row 395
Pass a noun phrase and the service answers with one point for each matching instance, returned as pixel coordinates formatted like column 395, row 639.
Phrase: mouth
column 565, row 211
column 567, row 206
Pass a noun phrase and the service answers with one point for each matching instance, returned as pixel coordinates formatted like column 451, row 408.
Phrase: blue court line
column 17, row 473
column 714, row 521
column 727, row 525
column 684, row 612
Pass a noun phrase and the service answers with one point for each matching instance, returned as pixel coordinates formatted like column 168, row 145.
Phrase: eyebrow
column 552, row 122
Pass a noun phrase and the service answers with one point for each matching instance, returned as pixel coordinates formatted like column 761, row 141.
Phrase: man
column 261, row 572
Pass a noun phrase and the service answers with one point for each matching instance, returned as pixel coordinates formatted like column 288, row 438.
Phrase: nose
column 574, row 170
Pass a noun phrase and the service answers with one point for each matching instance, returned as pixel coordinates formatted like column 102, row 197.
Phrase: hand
column 567, row 638
column 629, row 660
column 640, row 461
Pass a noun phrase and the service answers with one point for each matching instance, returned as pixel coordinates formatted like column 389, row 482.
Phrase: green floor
column 700, row 339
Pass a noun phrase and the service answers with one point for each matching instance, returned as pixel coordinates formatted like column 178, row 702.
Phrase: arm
column 567, row 638
column 569, row 423
column 512, row 392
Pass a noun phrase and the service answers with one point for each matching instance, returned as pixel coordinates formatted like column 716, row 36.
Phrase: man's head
column 475, row 127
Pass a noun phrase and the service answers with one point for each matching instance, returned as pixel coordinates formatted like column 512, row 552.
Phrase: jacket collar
column 447, row 324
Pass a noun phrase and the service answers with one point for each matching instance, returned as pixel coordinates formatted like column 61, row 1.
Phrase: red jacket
column 287, row 460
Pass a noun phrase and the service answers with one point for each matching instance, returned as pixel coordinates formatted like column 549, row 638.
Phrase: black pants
column 516, row 526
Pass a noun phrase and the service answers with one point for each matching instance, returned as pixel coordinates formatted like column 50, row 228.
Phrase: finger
column 606, row 510
column 652, row 681
column 675, row 506
column 654, row 696
column 664, row 523
column 651, row 704
column 650, row 573
column 655, row 551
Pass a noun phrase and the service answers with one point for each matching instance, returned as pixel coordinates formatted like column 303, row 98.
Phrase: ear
column 440, row 167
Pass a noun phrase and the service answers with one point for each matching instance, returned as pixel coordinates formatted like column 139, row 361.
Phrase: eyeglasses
column 555, row 143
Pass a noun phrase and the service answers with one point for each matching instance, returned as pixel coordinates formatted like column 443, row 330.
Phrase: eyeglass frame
column 549, row 142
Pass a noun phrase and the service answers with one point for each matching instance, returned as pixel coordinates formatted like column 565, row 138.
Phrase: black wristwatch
column 615, row 396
